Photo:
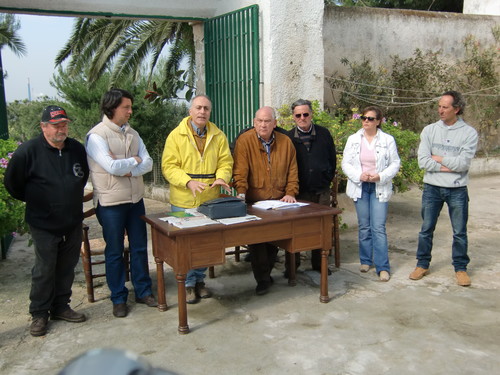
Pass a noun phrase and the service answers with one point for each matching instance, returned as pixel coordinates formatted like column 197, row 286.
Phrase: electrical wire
column 396, row 101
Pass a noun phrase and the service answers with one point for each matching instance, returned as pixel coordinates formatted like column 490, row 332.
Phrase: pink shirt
column 367, row 157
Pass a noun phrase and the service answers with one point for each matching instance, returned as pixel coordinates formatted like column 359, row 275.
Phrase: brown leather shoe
column 191, row 296
column 39, row 326
column 462, row 278
column 202, row 291
column 418, row 273
column 69, row 315
column 148, row 300
column 120, row 310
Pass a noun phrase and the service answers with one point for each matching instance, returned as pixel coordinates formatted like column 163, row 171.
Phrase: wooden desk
column 294, row 229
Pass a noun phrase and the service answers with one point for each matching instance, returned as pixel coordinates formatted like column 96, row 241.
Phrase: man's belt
column 210, row 175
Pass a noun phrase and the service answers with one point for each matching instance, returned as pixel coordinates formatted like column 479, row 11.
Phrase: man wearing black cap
column 49, row 173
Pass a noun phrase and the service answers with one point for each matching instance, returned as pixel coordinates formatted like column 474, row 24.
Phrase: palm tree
column 9, row 27
column 123, row 47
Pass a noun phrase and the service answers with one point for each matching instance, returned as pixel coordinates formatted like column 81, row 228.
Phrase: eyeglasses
column 299, row 115
column 363, row 118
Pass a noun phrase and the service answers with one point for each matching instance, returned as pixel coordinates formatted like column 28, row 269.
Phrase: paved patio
column 431, row 326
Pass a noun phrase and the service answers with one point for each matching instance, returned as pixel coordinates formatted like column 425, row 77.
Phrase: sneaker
column 418, row 273
column 120, row 310
column 364, row 268
column 462, row 278
column 384, row 276
column 202, row 291
column 69, row 315
column 191, row 295
column 39, row 326
column 148, row 300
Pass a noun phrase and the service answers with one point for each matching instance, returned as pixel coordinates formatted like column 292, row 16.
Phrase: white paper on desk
column 277, row 205
column 240, row 219
column 189, row 222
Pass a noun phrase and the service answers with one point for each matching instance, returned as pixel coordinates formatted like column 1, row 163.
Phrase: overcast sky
column 44, row 37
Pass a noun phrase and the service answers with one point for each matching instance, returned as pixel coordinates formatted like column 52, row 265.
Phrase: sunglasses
column 363, row 118
column 298, row 115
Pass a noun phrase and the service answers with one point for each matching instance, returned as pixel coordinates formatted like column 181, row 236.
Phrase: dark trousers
column 323, row 199
column 54, row 271
column 263, row 259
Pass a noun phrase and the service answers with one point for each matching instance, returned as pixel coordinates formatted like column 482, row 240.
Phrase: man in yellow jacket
column 196, row 162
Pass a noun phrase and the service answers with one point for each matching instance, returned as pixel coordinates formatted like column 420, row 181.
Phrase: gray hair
column 271, row 109
column 302, row 102
column 200, row 96
column 458, row 100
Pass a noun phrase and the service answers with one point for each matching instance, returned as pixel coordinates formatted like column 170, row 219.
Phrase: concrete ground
column 431, row 326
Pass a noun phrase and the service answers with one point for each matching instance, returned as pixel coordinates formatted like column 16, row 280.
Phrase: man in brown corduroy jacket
column 265, row 167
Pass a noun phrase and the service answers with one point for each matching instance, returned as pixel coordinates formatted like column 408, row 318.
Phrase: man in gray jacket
column 445, row 153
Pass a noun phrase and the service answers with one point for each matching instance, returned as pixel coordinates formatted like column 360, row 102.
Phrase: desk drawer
column 206, row 250
column 307, row 234
column 257, row 234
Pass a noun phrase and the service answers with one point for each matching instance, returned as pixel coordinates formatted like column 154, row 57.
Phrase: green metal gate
column 232, row 68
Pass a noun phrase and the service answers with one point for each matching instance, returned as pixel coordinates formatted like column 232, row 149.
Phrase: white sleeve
column 98, row 150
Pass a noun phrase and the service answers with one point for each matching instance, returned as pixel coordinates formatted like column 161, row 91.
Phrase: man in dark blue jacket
column 49, row 173
column 316, row 160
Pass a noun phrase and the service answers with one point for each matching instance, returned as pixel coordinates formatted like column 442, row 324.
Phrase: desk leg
column 291, row 269
column 181, row 292
column 162, row 300
column 324, row 277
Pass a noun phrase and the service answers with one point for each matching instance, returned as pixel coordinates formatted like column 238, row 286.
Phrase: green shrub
column 11, row 210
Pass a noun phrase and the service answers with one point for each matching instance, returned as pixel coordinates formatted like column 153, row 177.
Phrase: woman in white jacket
column 370, row 163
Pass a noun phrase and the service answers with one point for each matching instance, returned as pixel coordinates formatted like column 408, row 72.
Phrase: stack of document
column 277, row 205
column 240, row 219
column 192, row 218
column 189, row 221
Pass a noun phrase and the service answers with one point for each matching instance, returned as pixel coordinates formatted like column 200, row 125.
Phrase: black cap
column 54, row 114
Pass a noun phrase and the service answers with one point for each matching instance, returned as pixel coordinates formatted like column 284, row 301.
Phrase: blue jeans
column 114, row 220
column 198, row 274
column 372, row 215
column 457, row 200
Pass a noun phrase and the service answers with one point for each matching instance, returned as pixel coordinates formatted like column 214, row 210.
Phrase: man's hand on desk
column 288, row 199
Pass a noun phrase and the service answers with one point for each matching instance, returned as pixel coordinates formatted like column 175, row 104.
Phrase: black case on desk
column 222, row 208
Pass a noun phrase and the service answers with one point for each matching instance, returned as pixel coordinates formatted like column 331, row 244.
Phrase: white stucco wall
column 487, row 7
column 292, row 54
column 374, row 33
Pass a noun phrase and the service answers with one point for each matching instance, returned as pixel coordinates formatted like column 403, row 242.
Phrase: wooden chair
column 92, row 253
